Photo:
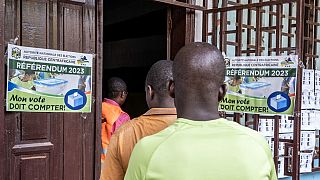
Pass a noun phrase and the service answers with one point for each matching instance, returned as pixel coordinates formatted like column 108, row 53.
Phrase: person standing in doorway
column 200, row 145
column 112, row 114
column 161, row 114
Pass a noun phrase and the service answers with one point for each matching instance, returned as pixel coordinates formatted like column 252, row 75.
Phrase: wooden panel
column 71, row 34
column 71, row 20
column 178, row 31
column 56, row 161
column 34, row 23
column 10, row 20
column 98, row 86
column 80, row 1
column 32, row 148
column 35, row 127
column 89, row 46
column 2, row 85
column 34, row 167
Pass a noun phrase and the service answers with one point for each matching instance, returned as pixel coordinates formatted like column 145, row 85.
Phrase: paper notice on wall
column 308, row 120
column 260, row 84
column 281, row 168
column 306, row 162
column 281, row 147
column 307, row 140
column 285, row 124
column 308, row 79
column 317, row 80
column 271, row 144
column 317, row 99
column 266, row 127
column 317, row 119
column 47, row 80
column 307, row 99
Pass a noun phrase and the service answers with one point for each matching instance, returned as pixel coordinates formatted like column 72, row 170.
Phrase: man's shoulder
column 246, row 130
column 158, row 138
column 128, row 127
column 253, row 135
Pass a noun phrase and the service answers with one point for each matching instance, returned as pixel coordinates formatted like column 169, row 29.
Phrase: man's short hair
column 159, row 75
column 115, row 86
column 199, row 65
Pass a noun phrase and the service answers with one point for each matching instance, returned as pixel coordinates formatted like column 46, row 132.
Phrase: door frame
column 2, row 93
column 98, row 85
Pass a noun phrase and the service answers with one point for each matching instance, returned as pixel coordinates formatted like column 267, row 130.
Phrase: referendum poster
column 44, row 80
column 260, row 85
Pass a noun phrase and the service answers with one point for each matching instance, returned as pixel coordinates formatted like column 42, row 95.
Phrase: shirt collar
column 161, row 111
column 110, row 101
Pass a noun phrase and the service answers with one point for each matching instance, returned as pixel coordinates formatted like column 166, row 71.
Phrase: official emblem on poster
column 260, row 85
column 44, row 80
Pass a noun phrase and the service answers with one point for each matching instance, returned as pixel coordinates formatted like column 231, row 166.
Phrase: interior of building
column 135, row 36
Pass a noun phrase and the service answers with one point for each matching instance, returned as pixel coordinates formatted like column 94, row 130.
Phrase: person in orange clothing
column 161, row 114
column 112, row 114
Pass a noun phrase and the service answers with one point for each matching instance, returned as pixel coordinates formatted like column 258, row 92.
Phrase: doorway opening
column 135, row 37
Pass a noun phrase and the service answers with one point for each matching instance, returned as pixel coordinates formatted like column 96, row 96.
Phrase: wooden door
column 52, row 145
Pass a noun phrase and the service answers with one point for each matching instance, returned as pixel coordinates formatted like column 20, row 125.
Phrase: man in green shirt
column 200, row 145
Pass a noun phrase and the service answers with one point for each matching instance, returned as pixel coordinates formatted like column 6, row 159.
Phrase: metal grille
column 268, row 27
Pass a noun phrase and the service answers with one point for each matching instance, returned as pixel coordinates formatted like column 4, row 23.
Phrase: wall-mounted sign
column 45, row 80
column 260, row 85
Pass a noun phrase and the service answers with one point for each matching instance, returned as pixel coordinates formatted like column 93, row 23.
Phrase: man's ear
column 222, row 92
column 122, row 94
column 171, row 89
column 150, row 92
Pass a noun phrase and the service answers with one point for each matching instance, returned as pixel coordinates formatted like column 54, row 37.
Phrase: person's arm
column 103, row 113
column 112, row 169
column 124, row 117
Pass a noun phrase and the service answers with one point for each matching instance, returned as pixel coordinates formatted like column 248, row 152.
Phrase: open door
column 52, row 145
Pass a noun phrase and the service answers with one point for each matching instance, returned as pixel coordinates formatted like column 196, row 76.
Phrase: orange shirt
column 125, row 138
column 114, row 117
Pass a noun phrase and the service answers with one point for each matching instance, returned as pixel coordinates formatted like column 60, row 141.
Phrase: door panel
column 35, row 127
column 33, row 19
column 52, row 145
column 34, row 167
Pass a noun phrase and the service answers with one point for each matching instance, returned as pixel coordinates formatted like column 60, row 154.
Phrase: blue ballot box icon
column 75, row 99
column 279, row 101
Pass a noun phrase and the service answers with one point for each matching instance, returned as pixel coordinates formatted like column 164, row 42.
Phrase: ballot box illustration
column 278, row 102
column 75, row 99
column 255, row 89
column 50, row 86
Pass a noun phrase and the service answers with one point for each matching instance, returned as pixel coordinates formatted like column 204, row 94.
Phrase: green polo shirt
column 202, row 150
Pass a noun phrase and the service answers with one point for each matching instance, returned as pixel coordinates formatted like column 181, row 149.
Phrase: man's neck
column 203, row 111
column 163, row 103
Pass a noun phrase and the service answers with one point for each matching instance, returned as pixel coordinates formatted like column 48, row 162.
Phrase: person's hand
column 222, row 114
